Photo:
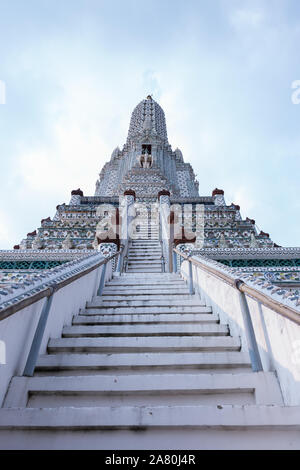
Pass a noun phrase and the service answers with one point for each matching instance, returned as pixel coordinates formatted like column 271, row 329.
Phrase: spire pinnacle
column 148, row 116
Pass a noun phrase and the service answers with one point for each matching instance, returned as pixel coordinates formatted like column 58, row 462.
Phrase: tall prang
column 147, row 166
column 150, row 171
column 147, row 163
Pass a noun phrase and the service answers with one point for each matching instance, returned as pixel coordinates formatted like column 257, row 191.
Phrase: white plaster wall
column 17, row 331
column 278, row 339
column 223, row 299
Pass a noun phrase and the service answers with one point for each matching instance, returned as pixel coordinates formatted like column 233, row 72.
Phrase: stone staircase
column 146, row 365
column 144, row 256
column 145, row 252
column 146, row 224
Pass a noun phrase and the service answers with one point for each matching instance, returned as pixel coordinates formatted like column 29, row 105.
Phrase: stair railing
column 162, row 260
column 175, row 259
column 245, row 290
column 238, row 284
column 122, row 258
column 49, row 293
column 284, row 310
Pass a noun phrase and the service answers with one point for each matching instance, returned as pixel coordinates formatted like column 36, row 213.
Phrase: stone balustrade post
column 166, row 236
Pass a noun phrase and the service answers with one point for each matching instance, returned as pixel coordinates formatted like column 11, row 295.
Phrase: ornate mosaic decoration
column 241, row 263
column 107, row 249
column 44, row 264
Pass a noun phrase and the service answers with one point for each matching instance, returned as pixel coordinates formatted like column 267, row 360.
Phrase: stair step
column 145, row 257
column 161, row 276
column 145, row 237
column 148, row 244
column 214, row 417
column 140, row 280
column 156, row 261
column 152, row 389
column 155, row 246
column 130, row 292
column 153, row 297
column 144, row 344
column 144, row 285
column 145, row 231
column 143, row 264
column 139, row 249
column 140, row 234
column 140, row 262
column 144, row 251
column 121, row 287
column 168, row 310
column 143, row 270
column 147, row 319
column 182, row 361
column 142, row 244
column 81, row 331
column 143, row 301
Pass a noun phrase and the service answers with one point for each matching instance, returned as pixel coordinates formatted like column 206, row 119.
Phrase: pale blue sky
column 221, row 69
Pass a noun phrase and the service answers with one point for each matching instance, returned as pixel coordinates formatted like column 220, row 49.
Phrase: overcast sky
column 221, row 69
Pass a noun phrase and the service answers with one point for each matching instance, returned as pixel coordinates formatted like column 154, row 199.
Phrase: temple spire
column 147, row 116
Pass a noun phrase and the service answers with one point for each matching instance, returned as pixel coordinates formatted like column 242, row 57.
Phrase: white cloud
column 247, row 18
column 244, row 197
column 77, row 151
column 213, row 85
column 6, row 230
column 71, row 159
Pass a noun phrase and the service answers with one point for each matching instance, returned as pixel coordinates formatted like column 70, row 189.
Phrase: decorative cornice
column 99, row 199
column 14, row 294
column 266, row 269
column 32, row 255
column 247, row 253
column 192, row 200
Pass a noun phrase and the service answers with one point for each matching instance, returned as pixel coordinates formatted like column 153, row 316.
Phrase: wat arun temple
column 152, row 311
column 147, row 168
